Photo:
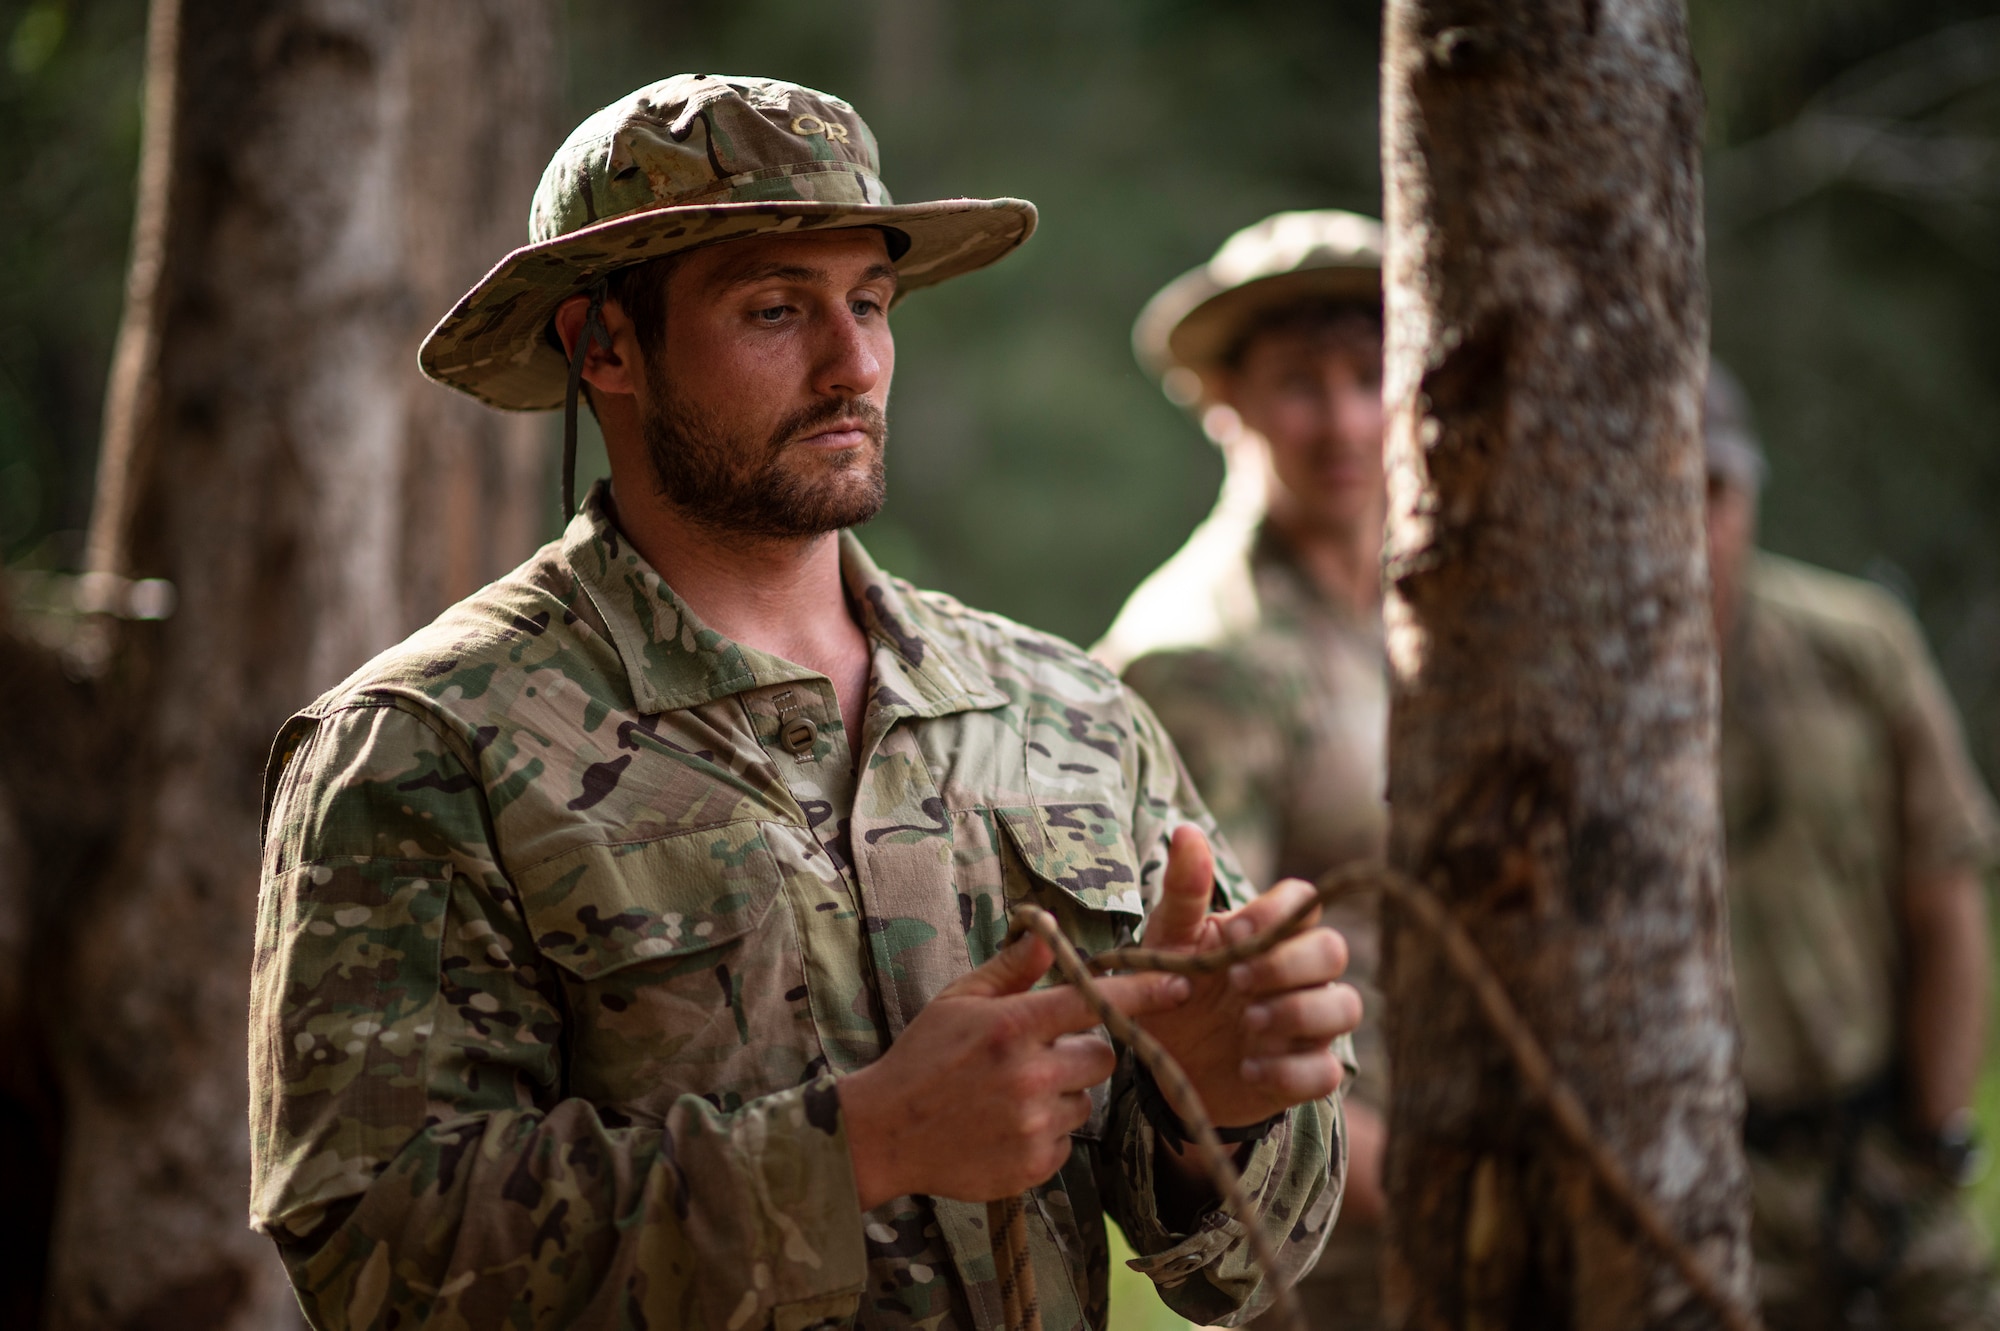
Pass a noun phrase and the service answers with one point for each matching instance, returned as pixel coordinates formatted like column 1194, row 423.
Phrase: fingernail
column 1239, row 976
column 1176, row 988
column 1238, row 930
column 1256, row 1016
column 1252, row 1069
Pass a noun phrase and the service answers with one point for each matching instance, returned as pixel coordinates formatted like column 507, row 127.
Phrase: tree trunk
column 319, row 184
column 1553, row 738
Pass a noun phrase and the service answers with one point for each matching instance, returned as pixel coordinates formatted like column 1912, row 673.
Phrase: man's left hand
column 1256, row 1039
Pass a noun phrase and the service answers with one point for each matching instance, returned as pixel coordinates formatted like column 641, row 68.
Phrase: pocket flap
column 597, row 908
column 1084, row 849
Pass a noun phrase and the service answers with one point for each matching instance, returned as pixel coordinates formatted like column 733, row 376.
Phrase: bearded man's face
column 764, row 414
column 780, row 484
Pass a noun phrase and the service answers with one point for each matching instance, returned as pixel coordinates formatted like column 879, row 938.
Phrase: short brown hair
column 1313, row 316
column 641, row 291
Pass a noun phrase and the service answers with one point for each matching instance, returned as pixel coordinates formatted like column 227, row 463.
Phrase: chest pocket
column 682, row 978
column 599, row 908
column 1077, row 862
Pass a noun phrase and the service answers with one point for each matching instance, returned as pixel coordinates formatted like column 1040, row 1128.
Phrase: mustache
column 813, row 419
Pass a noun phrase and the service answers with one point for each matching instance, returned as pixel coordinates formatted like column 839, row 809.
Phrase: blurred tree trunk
column 319, row 183
column 1553, row 741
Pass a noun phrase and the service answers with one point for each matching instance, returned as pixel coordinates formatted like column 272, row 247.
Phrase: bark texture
column 1553, row 735
column 321, row 180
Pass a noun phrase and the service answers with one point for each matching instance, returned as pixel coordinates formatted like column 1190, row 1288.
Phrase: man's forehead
column 847, row 253
column 1352, row 339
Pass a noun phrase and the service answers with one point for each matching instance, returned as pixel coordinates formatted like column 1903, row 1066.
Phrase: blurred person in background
column 1858, row 836
column 631, row 943
column 1259, row 644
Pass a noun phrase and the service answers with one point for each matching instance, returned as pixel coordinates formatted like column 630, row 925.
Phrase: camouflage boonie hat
column 1194, row 321
column 688, row 161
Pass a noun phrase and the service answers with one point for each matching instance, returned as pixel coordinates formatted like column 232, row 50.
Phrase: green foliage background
column 1034, row 470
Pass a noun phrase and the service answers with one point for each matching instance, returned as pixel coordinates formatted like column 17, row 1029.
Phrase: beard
column 768, row 488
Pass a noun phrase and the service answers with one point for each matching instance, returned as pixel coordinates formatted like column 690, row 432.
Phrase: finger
column 1079, row 1062
column 1271, row 909
column 1185, row 891
column 1062, row 1009
column 1321, row 1013
column 1293, row 1079
column 1317, row 956
column 1054, row 1146
column 1013, row 970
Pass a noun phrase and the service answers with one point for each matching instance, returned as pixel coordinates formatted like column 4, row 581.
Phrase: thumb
column 1185, row 891
column 1013, row 970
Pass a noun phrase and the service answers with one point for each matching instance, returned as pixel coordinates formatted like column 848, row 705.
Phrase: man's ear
column 606, row 371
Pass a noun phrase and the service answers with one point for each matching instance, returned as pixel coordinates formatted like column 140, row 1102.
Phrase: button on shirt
column 574, row 912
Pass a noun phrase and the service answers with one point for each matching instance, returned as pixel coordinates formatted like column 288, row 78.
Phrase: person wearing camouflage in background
column 1857, row 837
column 630, row 944
column 1259, row 645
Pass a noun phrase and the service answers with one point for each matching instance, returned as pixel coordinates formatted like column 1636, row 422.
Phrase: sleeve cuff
column 1293, row 1180
column 1216, row 1235
column 1166, row 1254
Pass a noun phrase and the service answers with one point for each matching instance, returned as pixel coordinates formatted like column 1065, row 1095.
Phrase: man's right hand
column 977, row 1098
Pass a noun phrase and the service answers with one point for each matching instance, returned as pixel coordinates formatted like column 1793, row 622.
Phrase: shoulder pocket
column 597, row 908
column 343, row 1000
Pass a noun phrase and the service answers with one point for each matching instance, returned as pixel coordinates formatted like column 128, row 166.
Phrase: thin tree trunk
column 334, row 177
column 1553, row 737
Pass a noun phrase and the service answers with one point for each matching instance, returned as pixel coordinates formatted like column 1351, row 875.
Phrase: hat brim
column 493, row 344
column 1194, row 321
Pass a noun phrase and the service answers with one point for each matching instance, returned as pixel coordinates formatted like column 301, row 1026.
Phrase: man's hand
column 1255, row 1040
column 977, row 1098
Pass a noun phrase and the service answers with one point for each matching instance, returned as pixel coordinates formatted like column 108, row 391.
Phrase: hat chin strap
column 593, row 332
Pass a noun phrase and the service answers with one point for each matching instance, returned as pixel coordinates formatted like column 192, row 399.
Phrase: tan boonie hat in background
column 687, row 161
column 1193, row 323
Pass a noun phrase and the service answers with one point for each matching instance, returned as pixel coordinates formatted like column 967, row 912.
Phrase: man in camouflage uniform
column 1259, row 645
column 1857, row 834
column 629, row 952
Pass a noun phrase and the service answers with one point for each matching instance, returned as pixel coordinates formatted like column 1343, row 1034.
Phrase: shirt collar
column 672, row 660
column 920, row 667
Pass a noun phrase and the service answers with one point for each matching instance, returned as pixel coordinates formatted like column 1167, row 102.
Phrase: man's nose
column 1350, row 411
column 848, row 362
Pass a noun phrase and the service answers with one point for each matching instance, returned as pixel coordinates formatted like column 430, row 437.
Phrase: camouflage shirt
column 574, row 913
column 1278, row 701
column 1844, row 776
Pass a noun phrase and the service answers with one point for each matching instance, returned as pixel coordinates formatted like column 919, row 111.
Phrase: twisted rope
column 1020, row 1305
column 1180, row 1091
column 1539, row 1078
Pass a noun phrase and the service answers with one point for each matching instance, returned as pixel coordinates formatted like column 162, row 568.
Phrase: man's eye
column 774, row 314
column 864, row 308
